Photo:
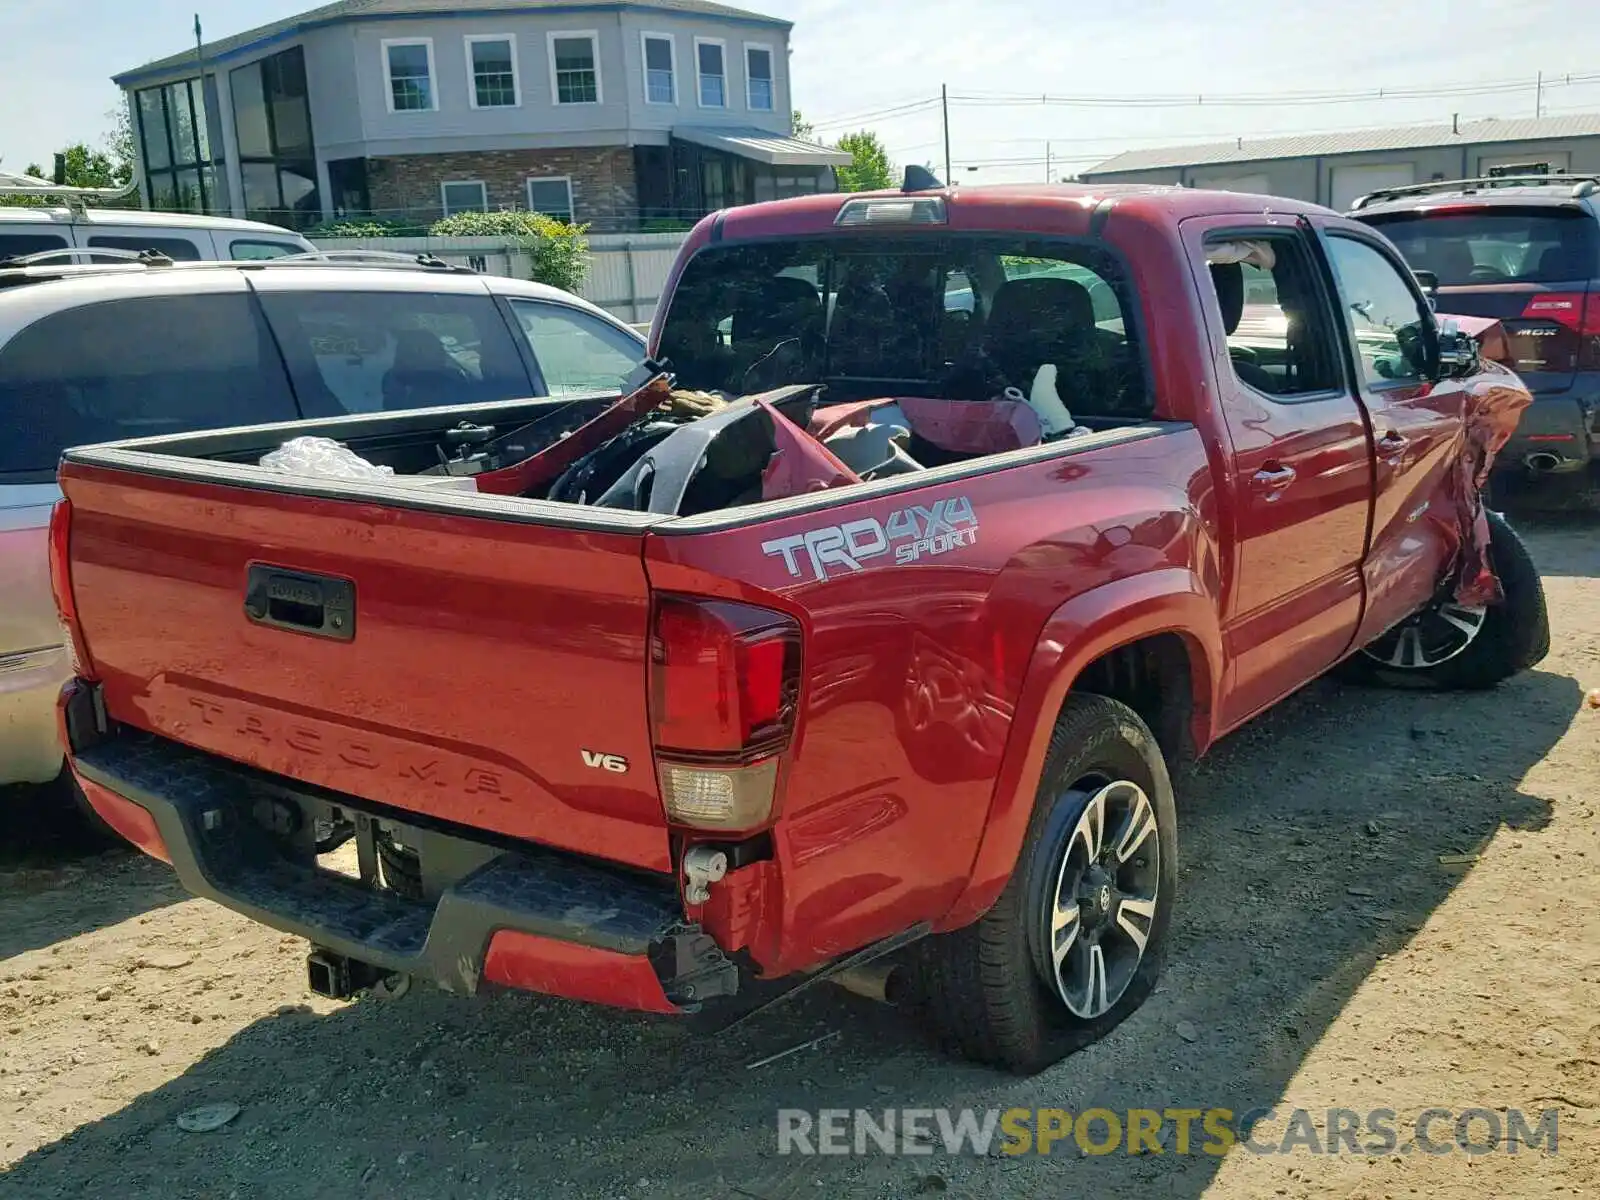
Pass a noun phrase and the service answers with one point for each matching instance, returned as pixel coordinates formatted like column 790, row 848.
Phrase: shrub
column 559, row 251
column 358, row 226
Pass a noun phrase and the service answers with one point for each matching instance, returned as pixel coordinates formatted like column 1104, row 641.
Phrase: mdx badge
column 596, row 761
column 910, row 534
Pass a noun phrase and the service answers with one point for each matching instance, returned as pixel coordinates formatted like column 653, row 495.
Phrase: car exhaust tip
column 883, row 982
column 1541, row 462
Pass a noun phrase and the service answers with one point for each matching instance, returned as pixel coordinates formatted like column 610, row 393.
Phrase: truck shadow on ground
column 1311, row 845
column 59, row 878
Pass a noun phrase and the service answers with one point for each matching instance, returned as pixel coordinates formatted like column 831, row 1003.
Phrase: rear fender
column 1077, row 633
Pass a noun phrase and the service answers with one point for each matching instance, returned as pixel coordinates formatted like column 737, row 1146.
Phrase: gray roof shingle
column 1406, row 137
column 367, row 10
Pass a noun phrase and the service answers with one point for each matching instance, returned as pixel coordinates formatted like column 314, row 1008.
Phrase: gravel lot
column 1323, row 957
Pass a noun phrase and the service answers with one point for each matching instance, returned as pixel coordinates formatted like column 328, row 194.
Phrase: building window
column 575, row 67
column 551, row 196
column 182, row 168
column 660, row 69
column 708, row 55
column 277, row 155
column 464, row 195
column 408, row 64
column 492, row 65
column 758, row 78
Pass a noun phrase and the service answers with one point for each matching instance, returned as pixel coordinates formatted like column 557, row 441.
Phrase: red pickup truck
column 878, row 628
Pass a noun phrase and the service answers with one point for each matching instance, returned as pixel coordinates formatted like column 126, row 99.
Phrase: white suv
column 96, row 353
column 182, row 237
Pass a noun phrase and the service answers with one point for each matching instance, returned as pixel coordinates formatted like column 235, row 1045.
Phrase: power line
column 899, row 110
column 1270, row 99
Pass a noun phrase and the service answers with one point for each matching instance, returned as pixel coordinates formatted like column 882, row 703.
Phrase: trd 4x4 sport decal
column 910, row 534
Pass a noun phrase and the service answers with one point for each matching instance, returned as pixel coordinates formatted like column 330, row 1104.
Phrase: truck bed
column 496, row 646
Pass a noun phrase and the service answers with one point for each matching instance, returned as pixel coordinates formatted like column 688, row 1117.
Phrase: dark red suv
column 1526, row 250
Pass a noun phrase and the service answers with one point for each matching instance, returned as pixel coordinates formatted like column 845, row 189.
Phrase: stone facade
column 604, row 191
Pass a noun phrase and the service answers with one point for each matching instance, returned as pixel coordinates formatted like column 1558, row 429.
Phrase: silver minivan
column 94, row 353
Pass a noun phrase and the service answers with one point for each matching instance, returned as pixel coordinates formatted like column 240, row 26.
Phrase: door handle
column 1273, row 478
column 1392, row 445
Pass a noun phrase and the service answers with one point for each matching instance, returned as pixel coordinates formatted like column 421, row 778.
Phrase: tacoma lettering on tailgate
column 910, row 534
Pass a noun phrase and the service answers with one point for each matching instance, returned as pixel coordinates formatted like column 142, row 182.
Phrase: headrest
column 1228, row 279
column 1047, row 302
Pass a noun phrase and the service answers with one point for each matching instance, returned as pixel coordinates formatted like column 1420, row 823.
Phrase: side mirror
column 1429, row 283
column 1458, row 351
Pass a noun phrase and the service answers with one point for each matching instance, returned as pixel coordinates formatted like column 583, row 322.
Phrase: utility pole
column 1538, row 96
column 1047, row 160
column 202, row 116
column 944, row 103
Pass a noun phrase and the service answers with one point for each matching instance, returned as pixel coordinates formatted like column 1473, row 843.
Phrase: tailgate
column 1540, row 321
column 485, row 672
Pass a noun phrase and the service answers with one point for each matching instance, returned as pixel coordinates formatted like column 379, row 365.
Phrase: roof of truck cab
column 1025, row 208
column 113, row 217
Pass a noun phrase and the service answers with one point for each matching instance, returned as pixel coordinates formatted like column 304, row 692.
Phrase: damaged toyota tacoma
column 870, row 622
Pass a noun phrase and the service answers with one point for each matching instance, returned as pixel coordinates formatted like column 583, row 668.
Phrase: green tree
column 87, row 167
column 800, row 127
column 870, row 169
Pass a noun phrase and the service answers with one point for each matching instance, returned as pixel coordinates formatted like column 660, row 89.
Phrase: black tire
column 92, row 823
column 1515, row 635
column 984, row 987
column 402, row 868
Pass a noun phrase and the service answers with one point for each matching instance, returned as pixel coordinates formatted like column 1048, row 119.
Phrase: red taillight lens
column 61, row 583
column 724, row 678
column 724, row 687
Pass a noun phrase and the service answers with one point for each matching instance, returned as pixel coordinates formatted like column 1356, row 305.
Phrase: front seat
column 1051, row 320
column 1228, row 279
column 769, row 313
column 423, row 373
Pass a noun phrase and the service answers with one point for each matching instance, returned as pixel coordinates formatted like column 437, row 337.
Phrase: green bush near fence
column 366, row 227
column 559, row 251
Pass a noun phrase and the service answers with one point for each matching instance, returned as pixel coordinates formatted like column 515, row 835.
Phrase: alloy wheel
column 1099, row 916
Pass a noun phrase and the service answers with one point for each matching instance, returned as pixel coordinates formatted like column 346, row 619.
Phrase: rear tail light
column 1577, row 312
column 61, row 584
column 724, row 686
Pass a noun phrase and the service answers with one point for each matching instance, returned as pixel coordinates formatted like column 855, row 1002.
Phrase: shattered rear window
column 914, row 314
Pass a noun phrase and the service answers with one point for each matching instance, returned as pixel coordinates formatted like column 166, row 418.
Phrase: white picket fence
column 626, row 270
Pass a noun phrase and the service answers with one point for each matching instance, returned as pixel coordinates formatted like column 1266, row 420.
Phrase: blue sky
column 858, row 56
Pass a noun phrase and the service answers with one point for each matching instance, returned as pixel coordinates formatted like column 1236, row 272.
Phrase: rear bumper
column 1554, row 436
column 30, row 683
column 523, row 918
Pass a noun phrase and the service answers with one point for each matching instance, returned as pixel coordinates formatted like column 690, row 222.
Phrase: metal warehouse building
column 1336, row 168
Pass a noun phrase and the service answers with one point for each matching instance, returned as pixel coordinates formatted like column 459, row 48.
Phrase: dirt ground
column 1323, row 958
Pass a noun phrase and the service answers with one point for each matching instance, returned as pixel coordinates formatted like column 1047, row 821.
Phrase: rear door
column 1301, row 466
column 396, row 346
column 178, row 245
column 1418, row 423
column 1531, row 267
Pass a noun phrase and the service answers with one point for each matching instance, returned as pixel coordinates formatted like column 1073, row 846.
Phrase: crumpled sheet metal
column 957, row 426
column 1494, row 403
column 542, row 468
column 799, row 463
